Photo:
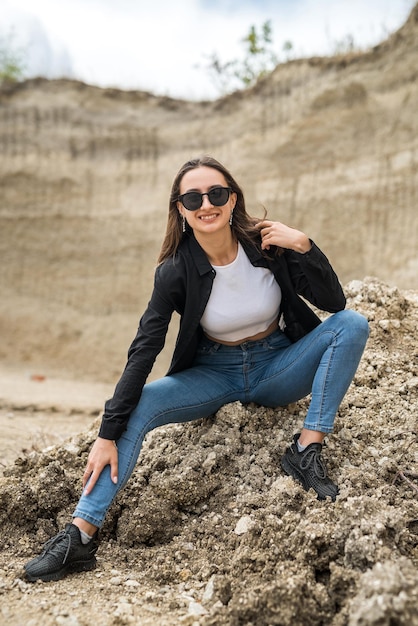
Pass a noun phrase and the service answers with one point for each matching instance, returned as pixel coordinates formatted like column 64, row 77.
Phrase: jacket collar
column 254, row 254
column 198, row 255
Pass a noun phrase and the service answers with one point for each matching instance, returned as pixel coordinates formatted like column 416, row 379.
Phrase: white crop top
column 244, row 300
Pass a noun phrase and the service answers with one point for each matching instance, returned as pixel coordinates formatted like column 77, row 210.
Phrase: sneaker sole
column 72, row 568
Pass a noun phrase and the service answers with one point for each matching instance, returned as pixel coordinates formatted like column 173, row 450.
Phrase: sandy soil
column 209, row 531
column 38, row 411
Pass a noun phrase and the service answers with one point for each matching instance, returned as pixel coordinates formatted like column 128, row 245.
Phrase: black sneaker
column 63, row 555
column 308, row 468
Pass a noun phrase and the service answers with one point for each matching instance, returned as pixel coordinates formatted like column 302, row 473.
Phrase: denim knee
column 358, row 323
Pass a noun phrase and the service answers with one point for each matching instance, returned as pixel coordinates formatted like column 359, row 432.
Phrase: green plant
column 259, row 59
column 287, row 49
column 12, row 64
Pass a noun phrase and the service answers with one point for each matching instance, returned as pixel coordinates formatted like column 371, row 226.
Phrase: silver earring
column 230, row 217
column 184, row 224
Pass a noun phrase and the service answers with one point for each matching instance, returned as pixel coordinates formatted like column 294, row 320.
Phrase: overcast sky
column 163, row 46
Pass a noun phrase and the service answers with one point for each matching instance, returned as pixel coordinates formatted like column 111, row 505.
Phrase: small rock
column 209, row 590
column 67, row 620
column 185, row 574
column 244, row 524
column 412, row 383
column 195, row 608
column 210, row 461
column 123, row 609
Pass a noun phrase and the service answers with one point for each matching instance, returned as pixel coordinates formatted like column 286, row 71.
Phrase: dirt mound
column 209, row 531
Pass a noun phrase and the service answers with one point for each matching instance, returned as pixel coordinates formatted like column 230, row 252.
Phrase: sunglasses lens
column 219, row 196
column 192, row 200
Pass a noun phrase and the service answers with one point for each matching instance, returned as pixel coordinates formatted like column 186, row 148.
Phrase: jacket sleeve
column 146, row 346
column 314, row 279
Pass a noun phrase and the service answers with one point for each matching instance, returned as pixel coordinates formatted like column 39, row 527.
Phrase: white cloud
column 156, row 46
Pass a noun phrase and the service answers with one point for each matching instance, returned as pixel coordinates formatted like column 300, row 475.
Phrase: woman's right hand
column 103, row 452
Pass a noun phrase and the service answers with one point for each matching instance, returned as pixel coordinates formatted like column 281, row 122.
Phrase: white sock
column 85, row 538
column 300, row 447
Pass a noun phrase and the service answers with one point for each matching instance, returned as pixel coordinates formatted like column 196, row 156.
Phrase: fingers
column 266, row 234
column 278, row 234
column 264, row 227
column 264, row 224
column 91, row 482
column 114, row 466
column 86, row 476
column 99, row 458
column 264, row 244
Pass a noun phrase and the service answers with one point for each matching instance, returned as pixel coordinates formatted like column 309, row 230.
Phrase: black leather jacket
column 183, row 284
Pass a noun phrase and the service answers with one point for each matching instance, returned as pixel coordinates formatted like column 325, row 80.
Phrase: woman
column 245, row 335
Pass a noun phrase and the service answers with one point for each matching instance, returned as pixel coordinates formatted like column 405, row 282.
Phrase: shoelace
column 52, row 542
column 312, row 457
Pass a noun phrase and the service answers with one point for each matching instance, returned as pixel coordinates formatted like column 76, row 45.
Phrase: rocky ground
column 209, row 531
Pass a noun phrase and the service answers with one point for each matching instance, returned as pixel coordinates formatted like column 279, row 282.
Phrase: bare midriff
column 265, row 333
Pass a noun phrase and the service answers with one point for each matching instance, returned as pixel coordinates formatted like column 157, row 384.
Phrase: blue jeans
column 271, row 372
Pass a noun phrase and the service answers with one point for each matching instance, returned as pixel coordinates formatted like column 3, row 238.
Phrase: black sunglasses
column 193, row 200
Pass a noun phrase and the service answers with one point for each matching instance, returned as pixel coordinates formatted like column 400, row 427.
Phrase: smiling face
column 209, row 218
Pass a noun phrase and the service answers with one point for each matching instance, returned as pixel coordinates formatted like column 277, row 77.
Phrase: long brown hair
column 243, row 225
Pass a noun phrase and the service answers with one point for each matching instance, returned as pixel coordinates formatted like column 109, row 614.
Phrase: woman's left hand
column 278, row 234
